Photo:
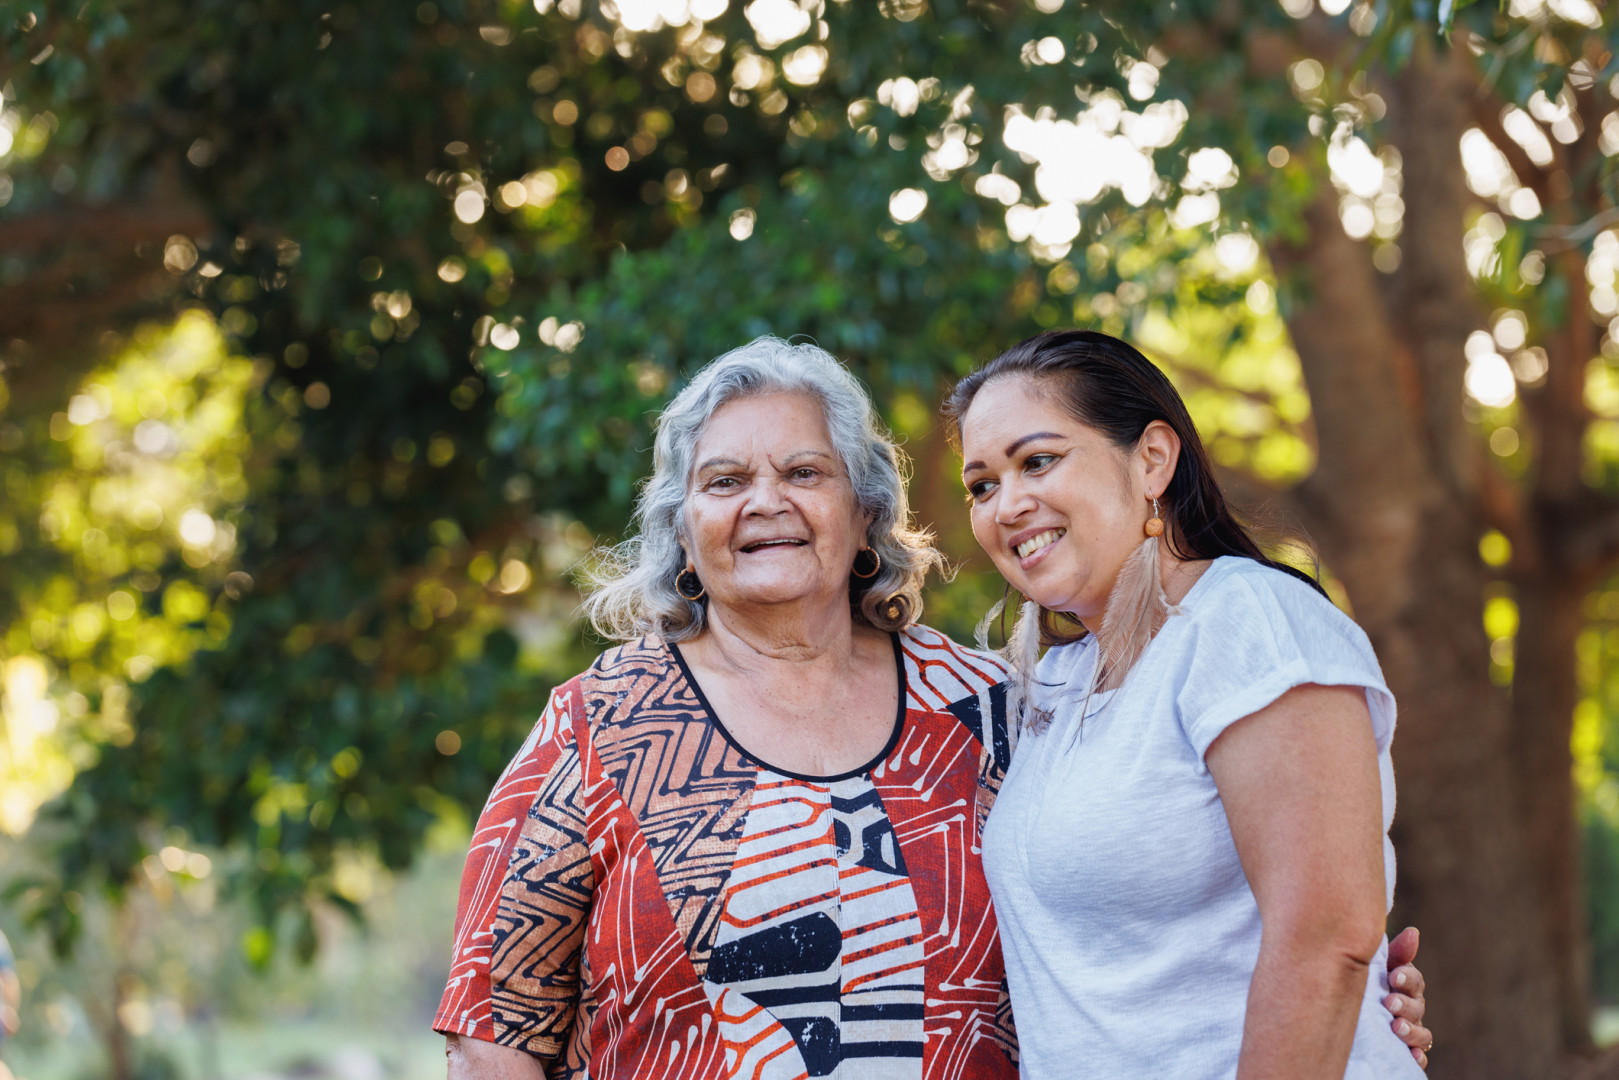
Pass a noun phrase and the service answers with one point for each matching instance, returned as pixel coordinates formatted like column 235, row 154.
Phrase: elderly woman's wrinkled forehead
column 775, row 425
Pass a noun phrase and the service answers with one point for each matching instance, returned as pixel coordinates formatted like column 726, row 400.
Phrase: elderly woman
column 745, row 842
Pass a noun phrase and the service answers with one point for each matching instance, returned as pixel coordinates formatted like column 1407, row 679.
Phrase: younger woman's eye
column 979, row 490
column 1036, row 462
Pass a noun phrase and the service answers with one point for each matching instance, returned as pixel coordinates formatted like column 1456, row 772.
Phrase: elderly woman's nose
column 767, row 495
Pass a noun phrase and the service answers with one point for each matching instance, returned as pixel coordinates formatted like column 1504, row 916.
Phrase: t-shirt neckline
column 1097, row 700
column 725, row 733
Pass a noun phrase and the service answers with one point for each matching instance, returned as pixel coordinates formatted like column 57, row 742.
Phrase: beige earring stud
column 1155, row 524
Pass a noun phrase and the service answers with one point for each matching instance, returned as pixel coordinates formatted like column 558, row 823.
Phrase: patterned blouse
column 644, row 899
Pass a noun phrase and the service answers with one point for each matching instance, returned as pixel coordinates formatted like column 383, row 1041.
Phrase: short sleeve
column 525, row 896
column 1256, row 634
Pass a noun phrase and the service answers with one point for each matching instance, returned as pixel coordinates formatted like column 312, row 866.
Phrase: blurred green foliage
column 456, row 254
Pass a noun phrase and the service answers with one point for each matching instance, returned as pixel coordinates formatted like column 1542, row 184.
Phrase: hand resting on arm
column 1407, row 1000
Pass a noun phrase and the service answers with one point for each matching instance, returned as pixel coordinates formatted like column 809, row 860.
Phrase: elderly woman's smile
column 772, row 517
column 770, row 547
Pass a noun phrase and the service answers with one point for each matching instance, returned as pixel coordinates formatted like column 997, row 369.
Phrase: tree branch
column 1434, row 303
column 85, row 270
column 120, row 225
column 1563, row 237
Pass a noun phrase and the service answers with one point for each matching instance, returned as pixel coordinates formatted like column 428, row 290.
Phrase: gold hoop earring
column 689, row 585
column 1155, row 524
column 876, row 563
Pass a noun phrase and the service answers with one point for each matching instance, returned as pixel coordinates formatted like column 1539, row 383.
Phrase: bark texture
column 1402, row 494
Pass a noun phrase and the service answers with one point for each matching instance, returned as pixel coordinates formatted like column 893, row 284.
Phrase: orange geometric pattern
column 641, row 899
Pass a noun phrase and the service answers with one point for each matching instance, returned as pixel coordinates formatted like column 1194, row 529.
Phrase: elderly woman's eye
column 804, row 472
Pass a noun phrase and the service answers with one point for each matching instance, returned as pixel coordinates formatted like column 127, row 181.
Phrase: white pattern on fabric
column 829, row 950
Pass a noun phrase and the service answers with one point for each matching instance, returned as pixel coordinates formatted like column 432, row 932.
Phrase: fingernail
column 1399, row 978
column 1394, row 1004
column 1401, row 1027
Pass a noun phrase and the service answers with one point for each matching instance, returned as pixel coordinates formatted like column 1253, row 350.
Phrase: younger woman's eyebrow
column 1015, row 447
column 1010, row 450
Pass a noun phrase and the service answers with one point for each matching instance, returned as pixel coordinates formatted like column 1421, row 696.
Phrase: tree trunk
column 936, row 490
column 1544, row 693
column 1397, row 505
column 1407, row 553
column 1553, row 572
column 1464, row 861
column 114, row 1036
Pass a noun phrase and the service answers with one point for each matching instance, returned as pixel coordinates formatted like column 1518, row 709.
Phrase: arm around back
column 1299, row 782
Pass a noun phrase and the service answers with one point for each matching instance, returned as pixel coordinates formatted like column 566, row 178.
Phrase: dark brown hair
column 1107, row 385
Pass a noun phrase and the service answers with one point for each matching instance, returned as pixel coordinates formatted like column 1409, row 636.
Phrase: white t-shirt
column 1129, row 929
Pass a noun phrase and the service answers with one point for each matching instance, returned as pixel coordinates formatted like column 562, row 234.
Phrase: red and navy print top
column 643, row 899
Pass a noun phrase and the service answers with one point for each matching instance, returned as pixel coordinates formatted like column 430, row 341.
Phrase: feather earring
column 1022, row 652
column 1136, row 610
column 981, row 631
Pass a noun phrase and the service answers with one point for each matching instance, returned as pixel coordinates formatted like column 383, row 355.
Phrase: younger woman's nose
column 1012, row 502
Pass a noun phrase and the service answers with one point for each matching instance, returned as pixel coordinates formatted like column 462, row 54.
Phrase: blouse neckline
column 882, row 755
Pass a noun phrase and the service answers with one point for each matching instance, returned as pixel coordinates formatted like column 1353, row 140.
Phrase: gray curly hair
column 630, row 588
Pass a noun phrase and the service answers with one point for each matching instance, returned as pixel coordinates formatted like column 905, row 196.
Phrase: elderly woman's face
column 771, row 517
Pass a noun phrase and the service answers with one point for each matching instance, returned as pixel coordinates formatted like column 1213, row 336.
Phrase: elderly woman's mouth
column 761, row 545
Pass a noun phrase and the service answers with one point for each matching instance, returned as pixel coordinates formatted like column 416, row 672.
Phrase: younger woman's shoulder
column 1252, row 633
column 1246, row 605
column 1234, row 584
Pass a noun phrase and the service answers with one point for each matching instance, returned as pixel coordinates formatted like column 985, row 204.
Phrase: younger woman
column 1194, row 824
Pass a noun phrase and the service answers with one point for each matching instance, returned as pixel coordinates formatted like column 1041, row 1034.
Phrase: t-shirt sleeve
column 525, row 896
column 1258, row 634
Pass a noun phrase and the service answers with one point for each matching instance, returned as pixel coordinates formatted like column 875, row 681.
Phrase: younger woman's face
column 1055, row 503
